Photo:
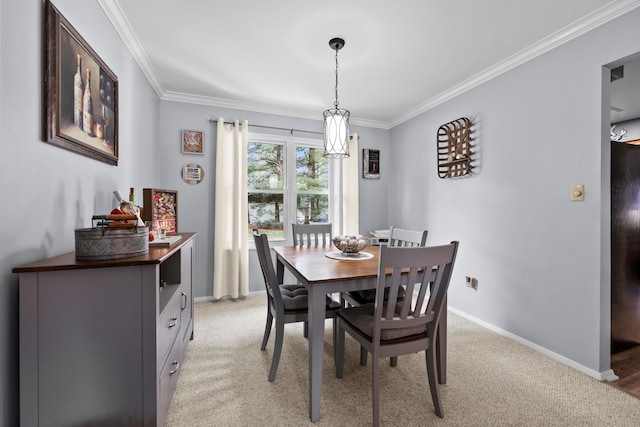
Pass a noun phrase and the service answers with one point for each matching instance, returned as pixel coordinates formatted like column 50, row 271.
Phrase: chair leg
column 267, row 329
column 434, row 384
column 306, row 329
column 375, row 392
column 338, row 351
column 393, row 361
column 363, row 356
column 277, row 349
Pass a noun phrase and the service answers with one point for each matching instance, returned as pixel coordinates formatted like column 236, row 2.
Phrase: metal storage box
column 97, row 244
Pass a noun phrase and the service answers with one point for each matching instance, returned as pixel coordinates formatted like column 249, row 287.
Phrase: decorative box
column 160, row 208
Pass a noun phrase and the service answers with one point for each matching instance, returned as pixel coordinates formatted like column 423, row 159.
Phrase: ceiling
column 399, row 59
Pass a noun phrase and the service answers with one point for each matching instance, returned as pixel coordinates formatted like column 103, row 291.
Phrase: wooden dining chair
column 285, row 303
column 312, row 234
column 400, row 326
column 398, row 237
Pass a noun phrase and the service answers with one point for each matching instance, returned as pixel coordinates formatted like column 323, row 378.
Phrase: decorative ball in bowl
column 350, row 245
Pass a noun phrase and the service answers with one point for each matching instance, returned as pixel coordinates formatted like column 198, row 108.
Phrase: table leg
column 280, row 271
column 317, row 312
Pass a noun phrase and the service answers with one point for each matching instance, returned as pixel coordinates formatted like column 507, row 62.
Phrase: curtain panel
column 230, row 254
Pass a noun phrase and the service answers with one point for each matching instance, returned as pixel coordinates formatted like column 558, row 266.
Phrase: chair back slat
column 312, row 234
column 424, row 268
column 268, row 271
column 407, row 238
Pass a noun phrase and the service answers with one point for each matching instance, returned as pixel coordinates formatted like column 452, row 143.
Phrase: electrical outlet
column 471, row 282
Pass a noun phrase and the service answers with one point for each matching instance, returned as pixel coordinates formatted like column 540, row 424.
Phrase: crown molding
column 123, row 28
column 599, row 17
column 595, row 19
column 260, row 108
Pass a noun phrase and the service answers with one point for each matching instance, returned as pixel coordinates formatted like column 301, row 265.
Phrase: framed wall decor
column 192, row 173
column 80, row 93
column 370, row 163
column 192, row 142
column 161, row 208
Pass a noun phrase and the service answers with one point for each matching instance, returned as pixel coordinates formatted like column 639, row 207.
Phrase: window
column 288, row 181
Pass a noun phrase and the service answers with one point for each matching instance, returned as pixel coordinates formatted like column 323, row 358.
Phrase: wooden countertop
column 68, row 260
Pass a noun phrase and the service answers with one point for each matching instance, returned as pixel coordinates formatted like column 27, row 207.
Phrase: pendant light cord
column 336, row 103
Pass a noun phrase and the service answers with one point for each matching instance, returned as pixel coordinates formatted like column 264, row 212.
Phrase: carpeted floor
column 491, row 381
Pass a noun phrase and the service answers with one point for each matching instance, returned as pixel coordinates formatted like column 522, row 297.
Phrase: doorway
column 625, row 226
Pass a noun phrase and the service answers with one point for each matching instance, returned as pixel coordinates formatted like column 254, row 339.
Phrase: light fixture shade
column 336, row 133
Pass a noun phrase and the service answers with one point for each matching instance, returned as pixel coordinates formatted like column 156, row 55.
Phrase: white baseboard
column 607, row 375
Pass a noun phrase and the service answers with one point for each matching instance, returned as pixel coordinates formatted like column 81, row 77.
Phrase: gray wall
column 196, row 202
column 48, row 191
column 542, row 262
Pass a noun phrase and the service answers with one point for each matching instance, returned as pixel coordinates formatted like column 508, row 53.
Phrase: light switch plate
column 577, row 193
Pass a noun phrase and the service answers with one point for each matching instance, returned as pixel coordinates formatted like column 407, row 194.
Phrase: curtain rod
column 273, row 127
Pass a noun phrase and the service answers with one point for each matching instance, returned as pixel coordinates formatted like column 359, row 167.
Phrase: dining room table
column 323, row 270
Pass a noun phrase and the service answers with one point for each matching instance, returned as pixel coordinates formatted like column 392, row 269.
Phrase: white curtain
column 230, row 252
column 350, row 189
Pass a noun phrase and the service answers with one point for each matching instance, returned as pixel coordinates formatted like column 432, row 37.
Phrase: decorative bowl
column 350, row 245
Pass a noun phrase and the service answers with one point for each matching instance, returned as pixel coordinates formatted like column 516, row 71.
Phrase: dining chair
column 400, row 326
column 398, row 237
column 286, row 303
column 312, row 234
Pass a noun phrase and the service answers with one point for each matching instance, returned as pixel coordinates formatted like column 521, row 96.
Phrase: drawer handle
column 177, row 366
column 173, row 322
column 185, row 300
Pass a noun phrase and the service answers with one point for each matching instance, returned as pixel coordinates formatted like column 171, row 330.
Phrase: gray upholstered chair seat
column 296, row 297
column 362, row 318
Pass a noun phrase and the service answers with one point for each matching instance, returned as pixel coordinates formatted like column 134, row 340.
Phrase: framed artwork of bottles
column 81, row 93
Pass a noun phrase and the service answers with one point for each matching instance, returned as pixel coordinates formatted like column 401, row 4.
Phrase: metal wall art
column 455, row 149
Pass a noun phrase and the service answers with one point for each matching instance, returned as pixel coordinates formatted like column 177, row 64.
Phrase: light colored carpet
column 491, row 381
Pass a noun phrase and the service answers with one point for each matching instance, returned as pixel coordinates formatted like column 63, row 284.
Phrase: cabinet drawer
column 168, row 327
column 168, row 379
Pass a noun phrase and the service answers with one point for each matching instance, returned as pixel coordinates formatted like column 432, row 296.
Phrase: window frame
column 290, row 191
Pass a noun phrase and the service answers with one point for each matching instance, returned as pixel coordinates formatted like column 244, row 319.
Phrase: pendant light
column 336, row 120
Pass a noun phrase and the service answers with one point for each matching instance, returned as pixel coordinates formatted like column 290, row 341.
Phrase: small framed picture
column 192, row 142
column 370, row 163
column 192, row 173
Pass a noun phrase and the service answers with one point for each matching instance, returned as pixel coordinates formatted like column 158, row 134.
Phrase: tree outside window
column 288, row 181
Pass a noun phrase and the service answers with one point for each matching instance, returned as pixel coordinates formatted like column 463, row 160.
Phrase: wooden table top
column 312, row 263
